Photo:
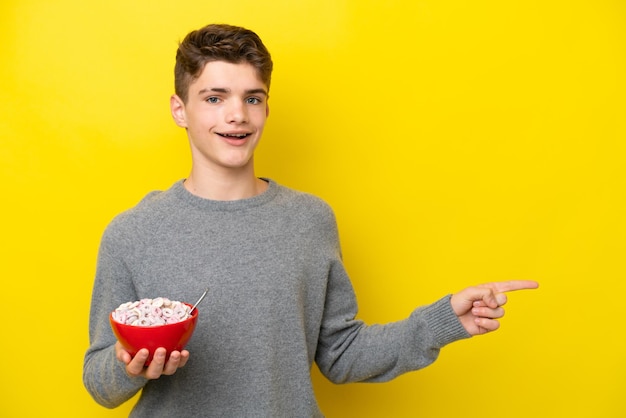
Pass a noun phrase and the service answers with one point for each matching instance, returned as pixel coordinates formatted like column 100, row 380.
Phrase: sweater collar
column 225, row 205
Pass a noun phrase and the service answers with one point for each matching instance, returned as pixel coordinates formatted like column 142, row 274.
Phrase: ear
column 177, row 107
column 267, row 110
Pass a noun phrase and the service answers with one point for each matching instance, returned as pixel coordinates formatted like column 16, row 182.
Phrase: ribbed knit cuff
column 443, row 322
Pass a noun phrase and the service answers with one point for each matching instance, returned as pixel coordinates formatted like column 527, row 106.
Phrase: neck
column 225, row 186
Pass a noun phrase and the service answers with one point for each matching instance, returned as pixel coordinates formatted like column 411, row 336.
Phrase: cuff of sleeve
column 122, row 386
column 443, row 322
column 125, row 382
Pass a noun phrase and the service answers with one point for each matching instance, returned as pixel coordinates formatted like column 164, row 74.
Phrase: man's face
column 224, row 115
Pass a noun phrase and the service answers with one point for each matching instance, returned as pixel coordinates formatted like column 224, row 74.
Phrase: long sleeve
column 103, row 375
column 350, row 350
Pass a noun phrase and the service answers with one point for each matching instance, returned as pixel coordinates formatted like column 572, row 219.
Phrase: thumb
column 474, row 296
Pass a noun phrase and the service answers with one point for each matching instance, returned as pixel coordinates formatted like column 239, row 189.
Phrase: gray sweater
column 279, row 300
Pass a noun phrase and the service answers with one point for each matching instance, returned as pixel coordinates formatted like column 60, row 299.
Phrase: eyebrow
column 226, row 90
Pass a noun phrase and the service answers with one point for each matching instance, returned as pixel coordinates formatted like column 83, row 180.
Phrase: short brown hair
column 219, row 42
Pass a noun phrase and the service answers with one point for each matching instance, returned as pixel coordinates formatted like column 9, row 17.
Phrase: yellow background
column 458, row 141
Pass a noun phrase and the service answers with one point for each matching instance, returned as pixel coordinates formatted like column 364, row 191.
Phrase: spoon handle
column 199, row 300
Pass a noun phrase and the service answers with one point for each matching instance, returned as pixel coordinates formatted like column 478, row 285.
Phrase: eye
column 253, row 100
column 213, row 99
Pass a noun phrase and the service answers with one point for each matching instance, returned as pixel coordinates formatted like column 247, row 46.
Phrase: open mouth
column 234, row 136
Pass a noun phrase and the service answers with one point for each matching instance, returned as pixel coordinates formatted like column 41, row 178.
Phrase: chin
column 238, row 164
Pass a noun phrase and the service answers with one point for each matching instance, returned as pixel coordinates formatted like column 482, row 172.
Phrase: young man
column 279, row 298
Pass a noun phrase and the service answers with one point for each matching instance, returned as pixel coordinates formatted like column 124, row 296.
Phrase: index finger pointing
column 512, row 285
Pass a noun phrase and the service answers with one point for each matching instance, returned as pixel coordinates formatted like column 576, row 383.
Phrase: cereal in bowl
column 151, row 312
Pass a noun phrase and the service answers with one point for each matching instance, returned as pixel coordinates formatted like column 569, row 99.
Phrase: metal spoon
column 199, row 300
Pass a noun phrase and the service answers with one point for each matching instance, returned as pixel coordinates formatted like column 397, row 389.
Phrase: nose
column 236, row 112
